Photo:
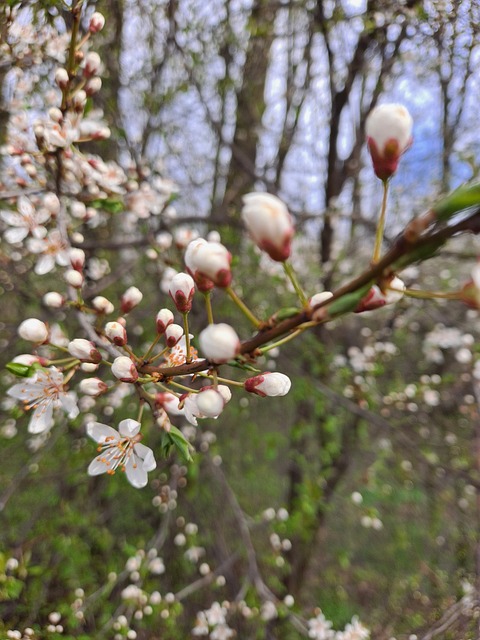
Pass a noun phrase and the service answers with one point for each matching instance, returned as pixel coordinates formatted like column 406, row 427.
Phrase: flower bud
column 269, row 384
column 389, row 135
column 182, row 288
column 73, row 278
column 53, row 299
column 93, row 386
column 124, row 369
column 93, row 86
column 318, row 298
column 470, row 293
column 84, row 350
column 79, row 101
column 130, row 299
column 102, row 305
column 377, row 298
column 26, row 358
column 97, row 22
column 169, row 402
column 210, row 260
column 77, row 258
column 219, row 342
column 269, row 223
column 164, row 318
column 51, row 203
column 33, row 330
column 203, row 282
column 61, row 78
column 92, row 64
column 210, row 403
column 173, row 333
column 88, row 367
column 116, row 333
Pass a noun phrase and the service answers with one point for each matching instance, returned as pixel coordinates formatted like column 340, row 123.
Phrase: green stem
column 208, row 305
column 430, row 295
column 290, row 272
column 150, row 348
column 381, row 225
column 140, row 409
column 188, row 357
column 182, row 386
column 284, row 340
column 234, row 383
column 130, row 353
column 163, row 352
column 243, row 308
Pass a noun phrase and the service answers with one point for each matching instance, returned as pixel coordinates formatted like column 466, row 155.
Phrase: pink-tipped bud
column 210, row 403
column 92, row 387
column 51, row 203
column 73, row 278
column 84, row 350
column 269, row 384
column 93, row 86
column 470, row 293
column 164, row 319
column 116, row 333
column 53, row 300
column 61, row 78
column 92, row 64
column 203, row 283
column 77, row 258
column 97, row 22
column 377, row 297
column 269, row 223
column 102, row 305
column 173, row 334
column 182, row 288
column 219, row 342
column 33, row 330
column 209, row 261
column 389, row 135
column 124, row 369
column 130, row 299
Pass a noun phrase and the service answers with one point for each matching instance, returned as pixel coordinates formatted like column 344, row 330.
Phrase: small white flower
column 27, row 220
column 219, row 342
column 121, row 450
column 216, row 614
column 269, row 384
column 320, row 628
column 33, row 330
column 44, row 392
column 169, row 402
column 269, row 223
column 52, row 249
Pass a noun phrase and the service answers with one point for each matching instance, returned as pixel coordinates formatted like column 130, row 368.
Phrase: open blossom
column 219, row 342
column 27, row 221
column 389, row 135
column 182, row 288
column 377, row 298
column 208, row 403
column 178, row 353
column 354, row 630
column 51, row 249
column 208, row 262
column 43, row 392
column 320, row 628
column 269, row 223
column 269, row 384
column 122, row 450
column 33, row 330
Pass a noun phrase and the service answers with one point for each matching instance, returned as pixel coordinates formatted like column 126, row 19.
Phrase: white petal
column 100, row 432
column 136, row 474
column 15, row 235
column 39, row 232
column 69, row 404
column 146, row 454
column 12, row 218
column 103, row 462
column 129, row 427
column 41, row 419
column 25, row 207
column 63, row 259
column 25, row 391
column 44, row 265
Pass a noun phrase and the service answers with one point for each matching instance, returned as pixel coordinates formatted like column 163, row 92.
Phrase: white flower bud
column 97, row 22
column 169, row 402
column 395, row 291
column 53, row 299
column 219, row 342
column 93, row 386
column 389, row 134
column 73, row 278
column 124, row 369
column 79, row 101
column 164, row 318
column 88, row 367
column 33, row 330
column 102, row 305
column 173, row 334
column 269, row 223
column 377, row 298
column 209, row 260
column 318, row 298
column 116, row 333
column 214, row 236
column 26, row 358
column 92, row 64
column 210, row 403
column 61, row 78
column 51, row 203
column 56, row 115
column 77, row 258
column 269, row 384
column 182, row 288
column 130, row 299
column 93, row 86
column 84, row 350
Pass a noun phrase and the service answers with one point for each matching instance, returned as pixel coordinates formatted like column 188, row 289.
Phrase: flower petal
column 42, row 418
column 69, row 404
column 136, row 474
column 100, row 432
column 146, row 454
column 16, row 234
column 44, row 265
column 102, row 463
column 25, row 391
column 129, row 427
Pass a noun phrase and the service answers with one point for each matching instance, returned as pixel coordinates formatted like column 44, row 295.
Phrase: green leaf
column 22, row 370
column 175, row 438
column 108, row 204
column 287, row 312
column 462, row 198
